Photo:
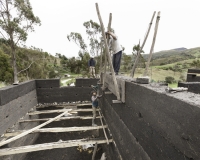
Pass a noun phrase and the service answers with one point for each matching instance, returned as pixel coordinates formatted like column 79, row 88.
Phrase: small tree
column 16, row 19
column 169, row 79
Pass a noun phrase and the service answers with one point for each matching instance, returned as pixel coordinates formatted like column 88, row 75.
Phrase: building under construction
column 41, row 120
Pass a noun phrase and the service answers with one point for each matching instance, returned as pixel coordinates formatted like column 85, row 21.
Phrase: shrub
column 169, row 79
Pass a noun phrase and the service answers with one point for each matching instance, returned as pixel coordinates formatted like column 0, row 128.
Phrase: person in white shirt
column 116, row 50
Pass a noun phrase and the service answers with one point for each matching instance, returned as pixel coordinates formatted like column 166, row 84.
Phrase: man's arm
column 112, row 34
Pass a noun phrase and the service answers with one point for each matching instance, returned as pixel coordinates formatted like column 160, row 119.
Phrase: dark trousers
column 117, row 61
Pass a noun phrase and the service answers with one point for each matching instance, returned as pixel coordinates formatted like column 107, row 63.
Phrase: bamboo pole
column 94, row 152
column 109, row 28
column 107, row 52
column 152, row 46
column 33, row 129
column 146, row 36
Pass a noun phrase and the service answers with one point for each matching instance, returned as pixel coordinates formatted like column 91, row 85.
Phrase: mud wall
column 192, row 86
column 49, row 91
column 152, row 124
column 193, row 75
column 15, row 102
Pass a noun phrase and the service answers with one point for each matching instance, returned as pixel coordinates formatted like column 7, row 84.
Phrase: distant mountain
column 179, row 49
column 173, row 55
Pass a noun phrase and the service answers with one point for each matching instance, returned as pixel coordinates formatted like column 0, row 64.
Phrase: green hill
column 174, row 55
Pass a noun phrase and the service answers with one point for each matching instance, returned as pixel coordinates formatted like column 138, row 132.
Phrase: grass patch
column 173, row 85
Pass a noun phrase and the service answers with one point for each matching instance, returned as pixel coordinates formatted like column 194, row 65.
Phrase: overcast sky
column 179, row 24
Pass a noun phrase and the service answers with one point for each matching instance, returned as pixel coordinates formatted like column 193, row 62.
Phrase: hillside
column 174, row 55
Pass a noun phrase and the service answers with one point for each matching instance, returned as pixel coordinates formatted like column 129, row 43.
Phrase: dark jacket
column 91, row 62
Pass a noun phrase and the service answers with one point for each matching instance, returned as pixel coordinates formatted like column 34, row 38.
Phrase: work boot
column 93, row 124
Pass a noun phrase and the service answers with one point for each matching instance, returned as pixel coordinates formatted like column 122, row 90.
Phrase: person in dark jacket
column 91, row 65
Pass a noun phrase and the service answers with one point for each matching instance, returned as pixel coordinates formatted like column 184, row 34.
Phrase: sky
column 179, row 24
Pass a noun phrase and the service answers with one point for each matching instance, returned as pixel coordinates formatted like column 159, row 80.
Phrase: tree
column 135, row 51
column 6, row 70
column 93, row 30
column 16, row 20
column 169, row 79
column 196, row 63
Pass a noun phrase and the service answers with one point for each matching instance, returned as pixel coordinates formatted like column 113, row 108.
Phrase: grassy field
column 2, row 84
column 157, row 74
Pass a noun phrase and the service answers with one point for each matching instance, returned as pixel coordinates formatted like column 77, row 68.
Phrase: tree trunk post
column 107, row 52
column 137, row 58
column 105, row 65
column 152, row 46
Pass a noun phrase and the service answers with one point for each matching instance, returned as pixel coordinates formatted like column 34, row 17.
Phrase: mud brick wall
column 49, row 91
column 192, row 75
column 153, row 124
column 192, row 86
column 15, row 102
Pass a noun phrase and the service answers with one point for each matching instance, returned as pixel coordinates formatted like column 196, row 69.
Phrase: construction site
column 135, row 120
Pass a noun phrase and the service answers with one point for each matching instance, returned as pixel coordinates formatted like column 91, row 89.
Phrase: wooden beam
column 59, row 119
column 108, row 93
column 33, row 129
column 146, row 36
column 65, row 105
column 107, row 52
column 57, row 130
column 152, row 46
column 109, row 29
column 48, row 146
column 116, row 101
column 103, row 128
column 60, row 111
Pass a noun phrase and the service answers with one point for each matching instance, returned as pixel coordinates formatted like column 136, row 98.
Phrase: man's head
column 94, row 94
column 91, row 57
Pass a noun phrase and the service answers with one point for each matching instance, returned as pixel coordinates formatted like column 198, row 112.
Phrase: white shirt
column 115, row 45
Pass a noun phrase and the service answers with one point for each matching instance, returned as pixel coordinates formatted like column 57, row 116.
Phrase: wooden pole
column 94, row 152
column 103, row 128
column 101, row 69
column 109, row 28
column 146, row 36
column 107, row 52
column 47, row 146
column 31, row 130
column 152, row 46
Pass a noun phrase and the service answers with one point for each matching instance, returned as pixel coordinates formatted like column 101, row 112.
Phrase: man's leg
column 90, row 72
column 113, row 61
column 93, row 68
column 118, row 61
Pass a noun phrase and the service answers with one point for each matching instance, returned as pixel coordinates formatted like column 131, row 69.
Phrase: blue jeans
column 117, row 61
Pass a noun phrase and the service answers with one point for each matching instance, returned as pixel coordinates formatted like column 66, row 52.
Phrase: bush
column 169, row 79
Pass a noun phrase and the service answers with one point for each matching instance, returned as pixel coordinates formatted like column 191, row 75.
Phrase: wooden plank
column 60, row 111
column 116, row 101
column 107, row 52
column 57, row 130
column 121, row 84
column 152, row 46
column 48, row 146
column 33, row 129
column 59, row 119
column 108, row 93
column 64, row 105
column 146, row 36
column 103, row 128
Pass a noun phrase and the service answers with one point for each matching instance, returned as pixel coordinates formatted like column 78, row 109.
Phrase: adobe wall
column 153, row 124
column 15, row 102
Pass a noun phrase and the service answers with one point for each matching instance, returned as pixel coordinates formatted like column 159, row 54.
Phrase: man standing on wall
column 116, row 50
column 91, row 64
